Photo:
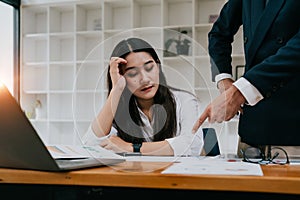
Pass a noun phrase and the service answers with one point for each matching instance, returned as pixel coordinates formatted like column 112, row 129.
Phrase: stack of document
column 78, row 151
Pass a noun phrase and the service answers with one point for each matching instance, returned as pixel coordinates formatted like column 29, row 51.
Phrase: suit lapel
column 257, row 9
column 263, row 25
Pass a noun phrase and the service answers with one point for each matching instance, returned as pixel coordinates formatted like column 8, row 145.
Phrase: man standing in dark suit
column 268, row 94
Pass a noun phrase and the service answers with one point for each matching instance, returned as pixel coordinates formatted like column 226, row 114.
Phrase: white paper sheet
column 77, row 151
column 216, row 167
column 168, row 158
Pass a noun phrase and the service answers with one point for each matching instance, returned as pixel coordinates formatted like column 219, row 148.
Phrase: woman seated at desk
column 142, row 113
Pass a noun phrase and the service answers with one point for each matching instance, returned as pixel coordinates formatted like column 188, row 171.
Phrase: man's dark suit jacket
column 272, row 65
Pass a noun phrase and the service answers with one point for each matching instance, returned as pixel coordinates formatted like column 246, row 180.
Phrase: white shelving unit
column 66, row 46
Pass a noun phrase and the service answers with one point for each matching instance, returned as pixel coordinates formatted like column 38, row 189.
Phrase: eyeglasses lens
column 253, row 154
column 279, row 156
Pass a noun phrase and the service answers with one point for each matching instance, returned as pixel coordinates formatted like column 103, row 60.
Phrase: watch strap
column 137, row 147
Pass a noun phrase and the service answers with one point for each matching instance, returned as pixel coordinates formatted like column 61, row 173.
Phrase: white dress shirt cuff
column 222, row 76
column 252, row 95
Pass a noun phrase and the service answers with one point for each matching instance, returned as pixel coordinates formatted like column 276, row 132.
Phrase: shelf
column 61, row 106
column 61, row 77
column 177, row 75
column 89, row 17
column 35, row 79
column 206, row 10
column 201, row 46
column 115, row 12
column 145, row 13
column 62, row 47
column 61, row 18
column 238, row 40
column 87, row 45
column 35, row 18
column 178, row 41
column 35, row 49
column 176, row 13
column 202, row 75
column 93, row 72
column 87, row 113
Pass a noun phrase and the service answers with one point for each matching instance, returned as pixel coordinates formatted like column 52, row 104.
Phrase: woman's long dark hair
column 129, row 128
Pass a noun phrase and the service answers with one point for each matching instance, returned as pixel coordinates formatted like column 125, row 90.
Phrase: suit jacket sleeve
column 274, row 46
column 221, row 36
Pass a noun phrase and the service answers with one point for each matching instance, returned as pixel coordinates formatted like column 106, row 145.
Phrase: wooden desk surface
column 276, row 179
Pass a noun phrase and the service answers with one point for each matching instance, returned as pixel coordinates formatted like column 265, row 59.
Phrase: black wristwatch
column 137, row 147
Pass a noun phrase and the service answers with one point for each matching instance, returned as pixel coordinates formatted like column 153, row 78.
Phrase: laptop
column 22, row 148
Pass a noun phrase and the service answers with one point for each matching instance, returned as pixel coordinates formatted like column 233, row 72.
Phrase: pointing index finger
column 200, row 121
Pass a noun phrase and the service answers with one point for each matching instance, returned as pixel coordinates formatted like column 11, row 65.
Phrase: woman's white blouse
column 185, row 142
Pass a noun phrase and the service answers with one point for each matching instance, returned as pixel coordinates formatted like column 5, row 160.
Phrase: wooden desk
column 277, row 179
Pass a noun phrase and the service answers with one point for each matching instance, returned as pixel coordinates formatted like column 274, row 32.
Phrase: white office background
column 6, row 45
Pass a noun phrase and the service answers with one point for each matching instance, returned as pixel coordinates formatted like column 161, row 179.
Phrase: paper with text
column 216, row 167
column 77, row 151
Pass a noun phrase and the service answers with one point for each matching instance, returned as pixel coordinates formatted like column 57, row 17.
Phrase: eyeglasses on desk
column 265, row 155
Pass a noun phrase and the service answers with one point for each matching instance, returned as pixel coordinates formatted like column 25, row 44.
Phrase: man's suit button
column 279, row 40
column 281, row 84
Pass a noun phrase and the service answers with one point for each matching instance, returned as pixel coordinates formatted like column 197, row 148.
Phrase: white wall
column 6, row 45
